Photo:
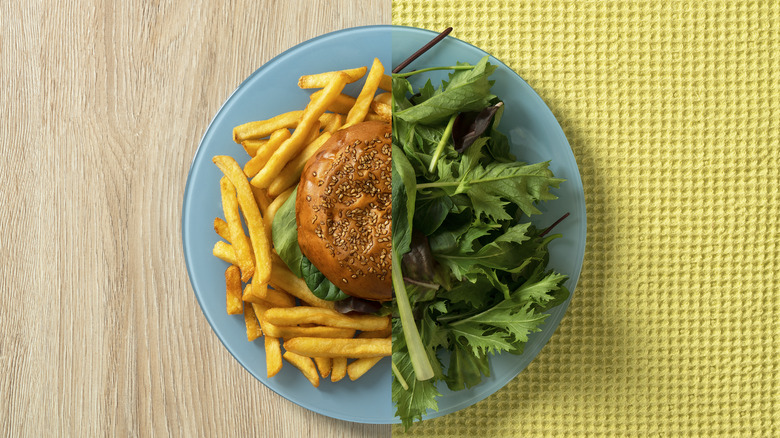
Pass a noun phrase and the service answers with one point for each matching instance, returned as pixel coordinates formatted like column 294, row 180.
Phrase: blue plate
column 271, row 90
column 535, row 136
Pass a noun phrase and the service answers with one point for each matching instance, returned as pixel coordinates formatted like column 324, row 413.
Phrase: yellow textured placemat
column 672, row 110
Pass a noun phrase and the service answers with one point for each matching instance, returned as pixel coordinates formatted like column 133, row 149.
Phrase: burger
column 343, row 210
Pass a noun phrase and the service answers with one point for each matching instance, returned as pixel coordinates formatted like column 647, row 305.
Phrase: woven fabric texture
column 672, row 110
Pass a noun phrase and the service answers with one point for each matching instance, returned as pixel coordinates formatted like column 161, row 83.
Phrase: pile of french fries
column 276, row 304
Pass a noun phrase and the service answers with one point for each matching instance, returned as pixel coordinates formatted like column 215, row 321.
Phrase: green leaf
column 319, row 285
column 426, row 92
column 404, row 195
column 284, row 230
column 466, row 368
column 467, row 90
column 412, row 403
column 480, row 342
column 401, row 87
column 522, row 185
column 506, row 252
column 516, row 321
column 539, row 292
column 430, row 213
column 476, row 294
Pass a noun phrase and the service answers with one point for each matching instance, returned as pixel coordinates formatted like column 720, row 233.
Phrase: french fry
column 340, row 105
column 260, row 307
column 334, row 123
column 338, row 369
column 277, row 203
column 273, row 356
column 291, row 174
column 263, row 128
column 253, row 330
column 263, row 202
column 221, row 228
column 313, row 136
column 225, row 252
column 252, row 146
column 277, row 297
column 337, row 347
column 373, row 117
column 233, row 290
column 254, row 291
column 261, row 196
column 386, row 83
column 385, row 98
column 238, row 239
column 276, row 260
column 314, row 315
column 321, row 80
column 262, row 155
column 282, row 277
column 376, row 333
column 324, row 364
column 294, row 144
column 320, row 331
column 259, row 129
column 314, row 133
column 361, row 366
column 254, row 221
column 305, row 364
column 260, row 292
column 358, row 112
column 383, row 110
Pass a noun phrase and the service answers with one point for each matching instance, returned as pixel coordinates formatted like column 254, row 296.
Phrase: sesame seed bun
column 343, row 210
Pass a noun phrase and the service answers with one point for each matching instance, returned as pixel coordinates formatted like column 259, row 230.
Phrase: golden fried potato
column 225, row 252
column 273, row 356
column 337, row 347
column 305, row 364
column 262, row 155
column 254, row 221
column 283, row 278
column 295, row 331
column 324, row 364
column 295, row 143
column 238, row 239
column 316, row 315
column 338, row 369
column 321, row 80
column 386, row 83
column 221, row 228
column 233, row 290
column 291, row 174
column 359, row 110
column 361, row 366
column 253, row 330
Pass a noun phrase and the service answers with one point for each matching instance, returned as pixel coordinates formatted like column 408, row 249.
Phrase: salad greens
column 469, row 271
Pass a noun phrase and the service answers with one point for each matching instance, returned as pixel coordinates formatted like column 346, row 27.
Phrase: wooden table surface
column 103, row 105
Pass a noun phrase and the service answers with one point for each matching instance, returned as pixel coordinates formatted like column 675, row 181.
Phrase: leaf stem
column 399, row 377
column 424, row 70
column 553, row 225
column 458, row 182
column 420, row 362
column 423, row 49
column 442, row 143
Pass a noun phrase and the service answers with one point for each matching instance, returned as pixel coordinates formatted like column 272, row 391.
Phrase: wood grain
column 103, row 104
